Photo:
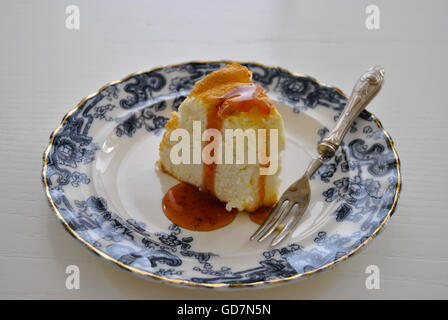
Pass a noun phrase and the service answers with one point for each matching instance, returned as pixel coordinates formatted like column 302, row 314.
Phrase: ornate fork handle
column 295, row 200
column 363, row 92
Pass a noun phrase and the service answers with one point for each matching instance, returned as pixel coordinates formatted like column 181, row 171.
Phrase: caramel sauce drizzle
column 243, row 98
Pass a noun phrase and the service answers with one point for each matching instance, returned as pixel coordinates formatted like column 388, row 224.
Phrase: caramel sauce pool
column 260, row 215
column 190, row 208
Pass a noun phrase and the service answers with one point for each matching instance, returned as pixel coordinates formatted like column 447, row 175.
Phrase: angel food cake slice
column 228, row 99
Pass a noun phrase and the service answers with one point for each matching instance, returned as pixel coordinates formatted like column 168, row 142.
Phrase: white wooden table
column 45, row 69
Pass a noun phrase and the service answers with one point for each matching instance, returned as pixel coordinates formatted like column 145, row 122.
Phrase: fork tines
column 281, row 210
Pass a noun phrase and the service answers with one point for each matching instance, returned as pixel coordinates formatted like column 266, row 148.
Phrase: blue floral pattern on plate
column 363, row 180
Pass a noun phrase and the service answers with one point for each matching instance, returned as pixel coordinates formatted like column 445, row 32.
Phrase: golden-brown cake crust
column 219, row 82
column 214, row 87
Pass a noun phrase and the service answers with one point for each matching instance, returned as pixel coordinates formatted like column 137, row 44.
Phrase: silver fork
column 294, row 201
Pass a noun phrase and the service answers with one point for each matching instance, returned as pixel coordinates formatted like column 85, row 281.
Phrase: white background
column 45, row 70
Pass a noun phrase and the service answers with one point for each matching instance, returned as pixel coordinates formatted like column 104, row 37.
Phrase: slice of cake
column 227, row 99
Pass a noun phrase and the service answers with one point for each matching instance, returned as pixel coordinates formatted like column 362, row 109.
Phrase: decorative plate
column 101, row 180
